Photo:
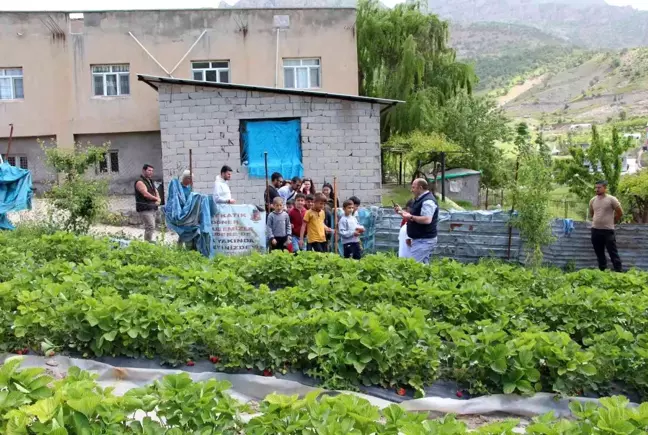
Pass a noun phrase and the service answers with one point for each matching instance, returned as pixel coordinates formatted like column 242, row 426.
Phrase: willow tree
column 403, row 54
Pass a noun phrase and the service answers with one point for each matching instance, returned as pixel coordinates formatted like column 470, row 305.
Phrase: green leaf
column 44, row 409
column 499, row 366
column 110, row 336
column 86, row 405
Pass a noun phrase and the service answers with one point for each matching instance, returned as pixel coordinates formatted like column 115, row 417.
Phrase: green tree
column 421, row 149
column 601, row 160
column 532, row 194
column 404, row 54
column 81, row 200
column 633, row 193
column 475, row 124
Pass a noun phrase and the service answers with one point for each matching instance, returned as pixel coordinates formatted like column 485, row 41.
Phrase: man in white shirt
column 222, row 193
column 288, row 192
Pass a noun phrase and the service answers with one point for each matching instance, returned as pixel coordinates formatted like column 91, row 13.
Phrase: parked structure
column 71, row 77
column 304, row 132
column 462, row 185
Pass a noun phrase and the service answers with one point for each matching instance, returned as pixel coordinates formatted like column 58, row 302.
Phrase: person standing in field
column 350, row 231
column 290, row 191
column 222, row 193
column 278, row 226
column 147, row 199
column 422, row 221
column 314, row 225
column 605, row 211
column 297, row 220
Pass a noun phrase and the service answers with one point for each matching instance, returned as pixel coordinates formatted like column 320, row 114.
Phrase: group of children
column 306, row 223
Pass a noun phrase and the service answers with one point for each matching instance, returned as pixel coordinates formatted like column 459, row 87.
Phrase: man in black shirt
column 276, row 181
column 147, row 200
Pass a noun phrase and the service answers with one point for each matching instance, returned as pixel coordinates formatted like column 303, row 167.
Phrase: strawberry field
column 384, row 322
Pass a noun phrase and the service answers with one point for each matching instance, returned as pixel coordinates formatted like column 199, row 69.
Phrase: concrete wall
column 42, row 176
column 57, row 74
column 133, row 150
column 339, row 138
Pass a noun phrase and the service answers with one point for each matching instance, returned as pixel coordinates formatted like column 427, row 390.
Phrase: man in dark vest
column 422, row 221
column 147, row 200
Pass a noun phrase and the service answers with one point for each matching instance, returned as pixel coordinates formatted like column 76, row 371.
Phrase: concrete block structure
column 71, row 76
column 339, row 135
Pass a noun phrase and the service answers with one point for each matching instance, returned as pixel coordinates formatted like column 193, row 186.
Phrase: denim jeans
column 422, row 249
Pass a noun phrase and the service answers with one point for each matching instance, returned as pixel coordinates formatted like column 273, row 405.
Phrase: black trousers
column 602, row 240
column 352, row 250
column 318, row 246
column 281, row 244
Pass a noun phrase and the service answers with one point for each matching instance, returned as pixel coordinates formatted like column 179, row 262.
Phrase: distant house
column 624, row 160
column 461, row 185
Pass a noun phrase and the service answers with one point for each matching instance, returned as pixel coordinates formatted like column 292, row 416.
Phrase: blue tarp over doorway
column 15, row 192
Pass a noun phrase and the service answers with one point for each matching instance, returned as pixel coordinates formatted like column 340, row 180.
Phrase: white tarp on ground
column 249, row 387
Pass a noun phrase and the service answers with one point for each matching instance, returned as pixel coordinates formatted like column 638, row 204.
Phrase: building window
column 11, row 84
column 21, row 160
column 211, row 71
column 109, row 163
column 280, row 138
column 302, row 73
column 110, row 80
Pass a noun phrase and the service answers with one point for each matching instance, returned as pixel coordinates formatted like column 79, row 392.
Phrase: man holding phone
column 422, row 221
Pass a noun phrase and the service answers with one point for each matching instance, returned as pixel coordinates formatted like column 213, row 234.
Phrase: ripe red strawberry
column 19, row 352
column 214, row 359
column 190, row 363
column 50, row 353
column 459, row 394
column 25, row 351
column 267, row 373
column 401, row 391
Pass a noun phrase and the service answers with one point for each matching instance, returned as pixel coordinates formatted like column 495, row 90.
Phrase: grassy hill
column 506, row 54
column 609, row 86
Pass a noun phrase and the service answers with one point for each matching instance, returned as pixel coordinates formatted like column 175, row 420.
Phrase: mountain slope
column 610, row 85
column 587, row 23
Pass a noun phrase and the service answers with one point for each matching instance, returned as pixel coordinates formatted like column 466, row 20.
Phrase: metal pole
column 266, row 197
column 486, row 204
column 9, row 141
column 191, row 165
column 510, row 229
column 335, row 215
column 443, row 156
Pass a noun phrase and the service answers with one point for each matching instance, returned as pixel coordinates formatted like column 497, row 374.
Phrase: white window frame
column 16, row 160
column 212, row 67
column 112, row 69
column 4, row 75
column 306, row 63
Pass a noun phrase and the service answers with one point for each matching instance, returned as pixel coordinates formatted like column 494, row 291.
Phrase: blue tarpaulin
column 190, row 216
column 15, row 192
column 281, row 140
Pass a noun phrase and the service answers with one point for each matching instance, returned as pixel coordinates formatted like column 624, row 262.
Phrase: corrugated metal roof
column 458, row 173
column 152, row 80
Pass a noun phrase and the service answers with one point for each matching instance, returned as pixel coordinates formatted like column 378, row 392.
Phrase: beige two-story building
column 71, row 77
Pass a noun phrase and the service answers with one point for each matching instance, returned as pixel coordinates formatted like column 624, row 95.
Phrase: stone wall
column 338, row 138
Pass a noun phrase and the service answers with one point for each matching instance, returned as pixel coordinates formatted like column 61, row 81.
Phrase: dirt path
column 518, row 90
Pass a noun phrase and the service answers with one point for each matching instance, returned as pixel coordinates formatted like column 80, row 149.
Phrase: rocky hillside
column 609, row 86
column 587, row 23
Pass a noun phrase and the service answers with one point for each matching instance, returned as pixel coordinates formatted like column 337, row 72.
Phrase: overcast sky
column 81, row 5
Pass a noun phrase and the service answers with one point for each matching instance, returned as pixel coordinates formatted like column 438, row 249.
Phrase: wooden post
column 266, row 197
column 443, row 158
column 335, row 216
column 400, row 169
column 191, row 165
column 9, row 141
column 510, row 229
column 486, row 204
